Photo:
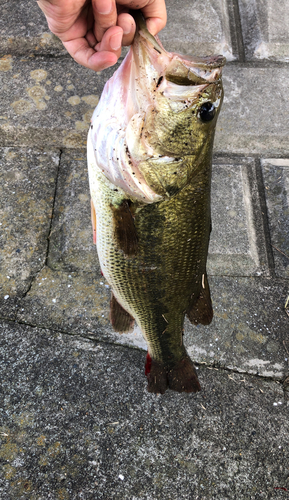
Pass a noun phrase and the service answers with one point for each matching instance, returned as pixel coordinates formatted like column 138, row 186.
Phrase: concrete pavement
column 76, row 420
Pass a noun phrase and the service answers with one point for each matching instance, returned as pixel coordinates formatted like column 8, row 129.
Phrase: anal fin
column 201, row 312
column 120, row 319
column 125, row 230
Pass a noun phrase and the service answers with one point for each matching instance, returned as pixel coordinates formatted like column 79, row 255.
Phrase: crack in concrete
column 53, row 206
column 284, row 381
column 34, row 276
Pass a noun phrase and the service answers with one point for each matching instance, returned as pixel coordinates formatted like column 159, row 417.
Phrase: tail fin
column 183, row 377
column 180, row 378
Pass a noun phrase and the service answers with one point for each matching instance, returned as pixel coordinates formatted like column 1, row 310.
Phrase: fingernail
column 115, row 41
column 127, row 28
column 104, row 7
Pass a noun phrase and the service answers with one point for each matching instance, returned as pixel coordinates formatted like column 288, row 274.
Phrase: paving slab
column 77, row 422
column 50, row 102
column 249, row 332
column 74, row 302
column 71, row 244
column 47, row 102
column 254, row 117
column 237, row 244
column 27, row 188
column 199, row 27
column 264, row 29
column 24, row 30
column 276, row 180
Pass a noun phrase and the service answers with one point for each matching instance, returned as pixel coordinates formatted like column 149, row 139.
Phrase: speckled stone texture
column 47, row 101
column 187, row 29
column 254, row 117
column 27, row 190
column 41, row 104
column 264, row 26
column 71, row 245
column 24, row 30
column 76, row 420
column 276, row 180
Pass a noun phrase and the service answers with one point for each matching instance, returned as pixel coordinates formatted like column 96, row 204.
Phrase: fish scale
column 153, row 232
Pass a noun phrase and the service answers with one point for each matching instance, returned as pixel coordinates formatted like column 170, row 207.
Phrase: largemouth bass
column 149, row 161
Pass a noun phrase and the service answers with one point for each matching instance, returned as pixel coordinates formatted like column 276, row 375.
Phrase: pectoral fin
column 120, row 319
column 125, row 231
column 201, row 312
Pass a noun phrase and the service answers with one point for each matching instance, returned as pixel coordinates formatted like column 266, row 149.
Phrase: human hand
column 93, row 31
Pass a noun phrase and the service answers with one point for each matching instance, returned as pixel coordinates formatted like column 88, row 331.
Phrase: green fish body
column 149, row 160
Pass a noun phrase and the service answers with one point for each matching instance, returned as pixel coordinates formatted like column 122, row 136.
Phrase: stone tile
column 248, row 329
column 237, row 245
column 71, row 246
column 24, row 30
column 254, row 118
column 265, row 29
column 276, row 180
column 50, row 102
column 198, row 28
column 246, row 334
column 47, row 101
column 27, row 31
column 76, row 412
column 27, row 187
column 75, row 302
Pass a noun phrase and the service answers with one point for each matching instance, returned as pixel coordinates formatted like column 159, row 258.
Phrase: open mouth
column 195, row 71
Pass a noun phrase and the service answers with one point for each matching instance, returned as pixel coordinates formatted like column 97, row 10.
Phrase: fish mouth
column 182, row 70
column 187, row 73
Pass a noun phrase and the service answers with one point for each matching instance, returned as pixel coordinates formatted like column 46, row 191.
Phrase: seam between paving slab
column 261, row 63
column 265, row 216
column 236, row 30
column 214, row 366
column 284, row 380
column 258, row 63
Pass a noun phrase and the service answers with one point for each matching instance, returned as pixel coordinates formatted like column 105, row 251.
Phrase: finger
column 127, row 23
column 154, row 12
column 105, row 16
column 91, row 38
column 83, row 54
column 111, row 41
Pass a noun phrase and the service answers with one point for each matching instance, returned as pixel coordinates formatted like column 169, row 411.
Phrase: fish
column 149, row 153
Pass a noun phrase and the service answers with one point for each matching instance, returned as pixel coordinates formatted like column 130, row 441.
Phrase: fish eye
column 207, row 111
